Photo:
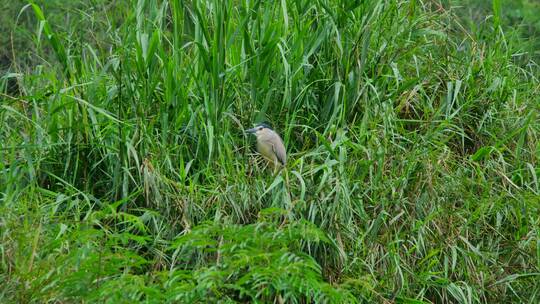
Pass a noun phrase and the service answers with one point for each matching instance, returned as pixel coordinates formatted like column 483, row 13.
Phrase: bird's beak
column 251, row 131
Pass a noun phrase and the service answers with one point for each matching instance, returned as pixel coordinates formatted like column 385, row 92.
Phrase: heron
column 270, row 145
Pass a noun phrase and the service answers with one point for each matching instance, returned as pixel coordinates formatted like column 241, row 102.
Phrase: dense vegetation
column 412, row 129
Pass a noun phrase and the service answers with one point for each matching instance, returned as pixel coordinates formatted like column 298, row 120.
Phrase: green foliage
column 90, row 260
column 257, row 262
column 411, row 127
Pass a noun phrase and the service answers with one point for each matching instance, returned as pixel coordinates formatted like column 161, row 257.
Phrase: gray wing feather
column 279, row 150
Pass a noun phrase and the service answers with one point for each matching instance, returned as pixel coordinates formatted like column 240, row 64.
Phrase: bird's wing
column 279, row 150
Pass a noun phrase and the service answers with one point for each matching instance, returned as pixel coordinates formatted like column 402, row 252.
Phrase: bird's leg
column 275, row 165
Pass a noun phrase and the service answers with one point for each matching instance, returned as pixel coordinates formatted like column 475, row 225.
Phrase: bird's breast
column 266, row 150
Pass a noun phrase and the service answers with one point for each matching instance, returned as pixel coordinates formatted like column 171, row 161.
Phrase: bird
column 270, row 145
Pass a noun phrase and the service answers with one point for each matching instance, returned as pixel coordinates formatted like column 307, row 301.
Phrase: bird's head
column 260, row 129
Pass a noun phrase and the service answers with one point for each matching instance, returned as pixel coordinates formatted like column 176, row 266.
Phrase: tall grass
column 126, row 176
